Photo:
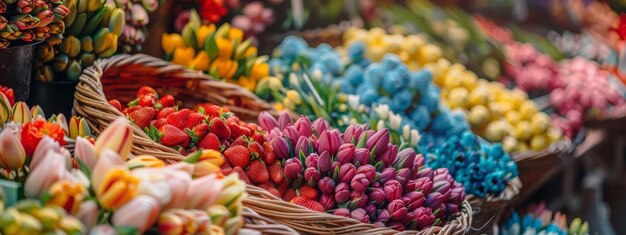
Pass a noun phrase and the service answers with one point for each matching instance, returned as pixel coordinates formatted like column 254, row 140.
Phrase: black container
column 53, row 97
column 16, row 67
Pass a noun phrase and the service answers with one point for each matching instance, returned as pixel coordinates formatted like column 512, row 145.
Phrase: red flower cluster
column 212, row 10
column 621, row 27
column 34, row 131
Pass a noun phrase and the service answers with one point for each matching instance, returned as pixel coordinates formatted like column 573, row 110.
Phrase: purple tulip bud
column 393, row 190
column 442, row 171
column 377, row 196
column 312, row 160
column 419, row 161
column 267, row 121
column 397, row 210
column 360, row 215
column 457, row 194
column 359, row 183
column 326, row 185
column 346, row 152
column 424, row 217
column 361, row 156
column 359, row 199
column 388, row 155
column 396, row 225
column 383, row 216
column 311, row 176
column 378, row 142
column 405, row 159
column 283, row 120
column 329, row 141
column 320, row 125
column 387, row 174
column 335, row 167
column 346, row 173
column 410, row 186
column 275, row 133
column 434, row 200
column 293, row 167
column 368, row 170
column 442, row 213
column 413, row 200
column 425, row 172
column 328, row 201
column 403, row 175
column 424, row 185
column 314, row 143
column 342, row 193
column 303, row 125
column 441, row 187
column 324, row 163
column 410, row 216
column 281, row 147
column 302, row 146
column 342, row 212
column 367, row 134
column 452, row 208
column 376, row 184
column 370, row 209
column 292, row 134
column 352, row 133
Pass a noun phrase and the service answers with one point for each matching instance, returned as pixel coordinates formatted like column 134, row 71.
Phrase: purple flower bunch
column 360, row 174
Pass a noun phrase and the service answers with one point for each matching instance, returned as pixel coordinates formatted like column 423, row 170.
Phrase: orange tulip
column 67, row 194
column 183, row 56
column 112, row 182
column 224, row 68
column 224, row 47
column 260, row 70
column 169, row 42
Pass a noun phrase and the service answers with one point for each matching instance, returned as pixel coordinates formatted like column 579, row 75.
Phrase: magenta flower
column 302, row 146
column 424, row 217
column 387, row 174
column 342, row 212
column 361, row 157
column 320, row 125
column 405, row 159
column 324, row 163
column 388, row 155
column 352, row 133
column 283, row 120
column 329, row 141
column 403, row 175
column 434, row 200
column 303, row 125
column 328, row 201
column 396, row 225
column 370, row 209
column 311, row 176
column 360, row 215
column 383, row 216
column 342, row 193
column 377, row 196
column 346, row 173
column 281, row 147
column 413, row 200
column 292, row 134
column 368, row 170
column 359, row 183
column 359, row 200
column 267, row 121
column 393, row 190
column 346, row 153
column 378, row 142
column 425, row 172
column 326, row 185
column 293, row 167
column 397, row 210
column 312, row 160
column 424, row 185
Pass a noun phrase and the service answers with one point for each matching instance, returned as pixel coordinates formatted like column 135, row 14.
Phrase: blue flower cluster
column 484, row 169
column 295, row 49
column 529, row 225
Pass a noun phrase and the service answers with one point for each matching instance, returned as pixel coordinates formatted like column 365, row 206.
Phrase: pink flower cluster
column 359, row 174
column 531, row 70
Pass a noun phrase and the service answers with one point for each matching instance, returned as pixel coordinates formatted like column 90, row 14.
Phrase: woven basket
column 487, row 210
column 312, row 222
column 263, row 224
column 122, row 75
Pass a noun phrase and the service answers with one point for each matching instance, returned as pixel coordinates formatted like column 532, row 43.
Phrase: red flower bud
column 359, row 183
column 312, row 160
column 397, row 210
column 342, row 212
column 368, row 170
column 303, row 125
column 360, row 215
column 324, row 163
column 361, row 156
column 378, row 142
column 387, row 174
column 377, row 196
column 342, row 193
column 320, row 125
column 293, row 167
column 393, row 190
column 311, row 176
column 326, row 185
column 346, row 173
column 346, row 153
column 327, row 201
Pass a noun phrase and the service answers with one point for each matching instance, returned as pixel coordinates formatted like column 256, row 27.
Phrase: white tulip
column 382, row 111
column 406, row 132
column 415, row 137
column 353, row 101
column 395, row 120
column 380, row 125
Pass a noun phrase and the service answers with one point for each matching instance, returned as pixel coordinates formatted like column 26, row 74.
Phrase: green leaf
column 153, row 133
column 82, row 166
column 193, row 158
column 126, row 230
column 210, row 46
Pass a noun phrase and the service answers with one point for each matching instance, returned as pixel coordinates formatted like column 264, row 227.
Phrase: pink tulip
column 283, row 121
column 425, row 172
column 12, row 153
column 324, row 163
column 42, row 178
column 378, row 142
column 303, row 125
column 326, row 185
column 397, row 210
column 346, row 153
column 452, row 208
column 139, row 213
column 203, row 192
column 358, row 200
column 346, row 173
column 403, row 175
column 361, row 157
column 413, row 200
column 88, row 214
column 360, row 215
column 291, row 133
column 342, row 193
column 302, row 146
column 281, row 147
column 342, row 212
column 83, row 150
column 312, row 160
column 389, row 155
column 328, row 201
column 368, row 170
column 117, row 137
column 45, row 145
column 267, row 121
column 424, row 217
column 405, row 159
column 434, row 200
column 424, row 185
column 457, row 194
column 410, row 217
column 311, row 176
column 293, row 167
column 387, row 174
column 329, row 141
column 352, row 133
column 359, row 183
column 393, row 190
column 396, row 225
column 383, row 216
column 370, row 209
column 377, row 196
column 320, row 125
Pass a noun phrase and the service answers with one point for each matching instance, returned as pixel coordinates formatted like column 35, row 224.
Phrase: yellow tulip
column 259, row 70
column 117, row 188
column 145, row 161
column 183, row 56
column 202, row 32
column 201, row 62
column 235, row 34
column 67, row 194
column 224, row 68
column 250, row 52
column 224, row 47
column 294, row 96
column 169, row 42
column 278, row 106
column 212, row 156
column 248, row 83
column 118, row 137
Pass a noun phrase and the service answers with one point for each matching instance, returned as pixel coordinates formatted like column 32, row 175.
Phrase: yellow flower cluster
column 220, row 52
column 494, row 112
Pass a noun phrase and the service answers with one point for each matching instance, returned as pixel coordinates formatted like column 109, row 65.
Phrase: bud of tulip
column 42, row 178
column 389, row 155
column 219, row 214
column 139, row 213
column 12, row 153
column 311, row 176
column 67, row 195
column 361, row 156
column 442, row 187
column 425, row 172
column 342, row 193
column 359, row 200
column 418, row 163
column 88, row 214
column 368, row 170
column 203, row 192
column 342, row 212
column 457, row 194
column 378, row 142
column 83, row 150
column 329, row 141
column 451, row 208
column 359, row 183
column 320, row 125
column 281, row 147
column 324, row 163
column 283, row 121
column 383, row 216
column 405, row 159
column 170, row 223
column 370, row 209
column 397, row 210
column 413, row 200
column 312, row 160
column 292, row 134
column 144, row 161
column 424, row 185
column 393, row 190
column 346, row 153
column 327, row 201
column 112, row 182
column 346, row 173
column 376, row 196
column 360, row 215
column 293, row 167
column 302, row 146
column 387, row 174
column 117, row 137
column 267, row 121
column 434, row 200
column 424, row 217
column 21, row 113
column 403, row 175
column 303, row 125
column 352, row 133
column 326, row 185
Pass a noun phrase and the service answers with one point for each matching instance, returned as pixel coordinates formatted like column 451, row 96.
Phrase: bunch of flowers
column 207, row 127
column 539, row 220
column 134, row 32
column 359, row 174
column 91, row 31
column 31, row 217
column 493, row 112
column 220, row 52
column 31, row 21
column 484, row 169
column 254, row 18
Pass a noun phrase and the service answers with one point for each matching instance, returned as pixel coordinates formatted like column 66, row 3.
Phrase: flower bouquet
column 537, row 219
